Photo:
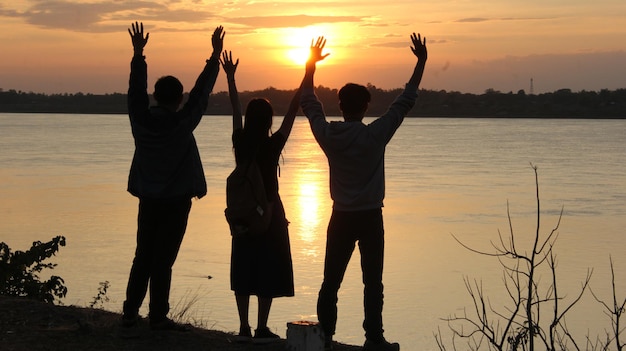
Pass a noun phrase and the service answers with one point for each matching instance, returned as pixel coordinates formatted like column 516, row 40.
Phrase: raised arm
column 198, row 101
column 229, row 68
column 137, row 98
column 290, row 116
column 419, row 50
column 385, row 126
column 314, row 56
column 311, row 106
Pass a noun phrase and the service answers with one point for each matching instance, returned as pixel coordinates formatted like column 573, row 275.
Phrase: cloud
column 483, row 19
column 376, row 25
column 472, row 20
column 105, row 16
column 290, row 21
column 101, row 16
column 7, row 13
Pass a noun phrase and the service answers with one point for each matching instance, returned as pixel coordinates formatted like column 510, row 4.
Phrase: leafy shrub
column 19, row 272
column 101, row 297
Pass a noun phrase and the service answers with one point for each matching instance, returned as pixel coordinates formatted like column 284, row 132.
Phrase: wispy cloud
column 100, row 16
column 106, row 15
column 485, row 19
column 472, row 20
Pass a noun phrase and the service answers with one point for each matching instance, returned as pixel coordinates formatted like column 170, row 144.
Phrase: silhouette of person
column 355, row 153
column 260, row 265
column 165, row 174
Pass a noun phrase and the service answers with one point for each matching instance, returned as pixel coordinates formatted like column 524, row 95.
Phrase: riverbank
column 35, row 326
column 563, row 103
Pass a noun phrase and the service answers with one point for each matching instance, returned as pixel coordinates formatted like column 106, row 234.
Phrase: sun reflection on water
column 309, row 209
column 306, row 180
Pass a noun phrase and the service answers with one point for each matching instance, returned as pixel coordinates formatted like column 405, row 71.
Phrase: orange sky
column 59, row 46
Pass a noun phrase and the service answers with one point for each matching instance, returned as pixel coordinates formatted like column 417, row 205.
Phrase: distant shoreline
column 562, row 104
column 300, row 115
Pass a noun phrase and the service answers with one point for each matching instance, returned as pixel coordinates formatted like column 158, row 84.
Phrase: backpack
column 248, row 212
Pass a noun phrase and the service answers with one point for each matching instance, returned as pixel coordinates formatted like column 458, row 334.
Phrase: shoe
column 129, row 328
column 328, row 341
column 244, row 336
column 264, row 336
column 328, row 345
column 168, row 325
column 383, row 345
column 130, row 321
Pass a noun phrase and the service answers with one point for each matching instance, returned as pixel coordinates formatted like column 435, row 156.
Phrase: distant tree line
column 559, row 104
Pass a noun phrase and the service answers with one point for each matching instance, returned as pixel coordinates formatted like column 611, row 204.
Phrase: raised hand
column 227, row 63
column 419, row 50
column 314, row 56
column 316, row 50
column 419, row 47
column 218, row 41
column 136, row 36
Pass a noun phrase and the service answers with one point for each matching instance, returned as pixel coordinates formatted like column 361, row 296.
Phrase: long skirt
column 261, row 265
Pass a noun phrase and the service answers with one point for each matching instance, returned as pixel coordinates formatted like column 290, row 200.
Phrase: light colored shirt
column 356, row 151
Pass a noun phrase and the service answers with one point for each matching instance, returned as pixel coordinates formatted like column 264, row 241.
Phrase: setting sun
column 298, row 56
column 298, row 41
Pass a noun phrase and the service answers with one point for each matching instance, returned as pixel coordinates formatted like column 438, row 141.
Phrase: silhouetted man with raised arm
column 355, row 153
column 165, row 174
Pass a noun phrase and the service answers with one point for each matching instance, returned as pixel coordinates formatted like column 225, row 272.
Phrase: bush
column 19, row 272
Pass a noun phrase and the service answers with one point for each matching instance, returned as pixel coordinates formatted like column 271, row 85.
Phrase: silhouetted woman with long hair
column 260, row 265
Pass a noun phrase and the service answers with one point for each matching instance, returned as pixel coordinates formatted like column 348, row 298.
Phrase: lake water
column 66, row 175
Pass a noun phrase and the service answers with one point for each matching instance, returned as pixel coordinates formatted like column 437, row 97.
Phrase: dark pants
column 344, row 230
column 160, row 230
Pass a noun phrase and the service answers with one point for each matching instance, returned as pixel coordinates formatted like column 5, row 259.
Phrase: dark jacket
column 166, row 163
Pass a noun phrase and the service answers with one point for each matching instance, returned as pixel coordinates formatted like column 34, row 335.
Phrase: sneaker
column 264, row 336
column 129, row 329
column 245, row 335
column 130, row 321
column 328, row 345
column 168, row 325
column 383, row 345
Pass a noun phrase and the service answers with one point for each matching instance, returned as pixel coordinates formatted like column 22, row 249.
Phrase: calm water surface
column 66, row 175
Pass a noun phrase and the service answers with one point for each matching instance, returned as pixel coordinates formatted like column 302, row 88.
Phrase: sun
column 297, row 42
column 298, row 56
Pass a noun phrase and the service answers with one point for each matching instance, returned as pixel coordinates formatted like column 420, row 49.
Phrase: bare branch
column 518, row 325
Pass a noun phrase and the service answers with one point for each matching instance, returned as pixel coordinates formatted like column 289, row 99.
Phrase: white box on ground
column 304, row 336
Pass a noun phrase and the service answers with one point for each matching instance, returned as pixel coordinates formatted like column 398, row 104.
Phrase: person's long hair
column 257, row 125
column 258, row 121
